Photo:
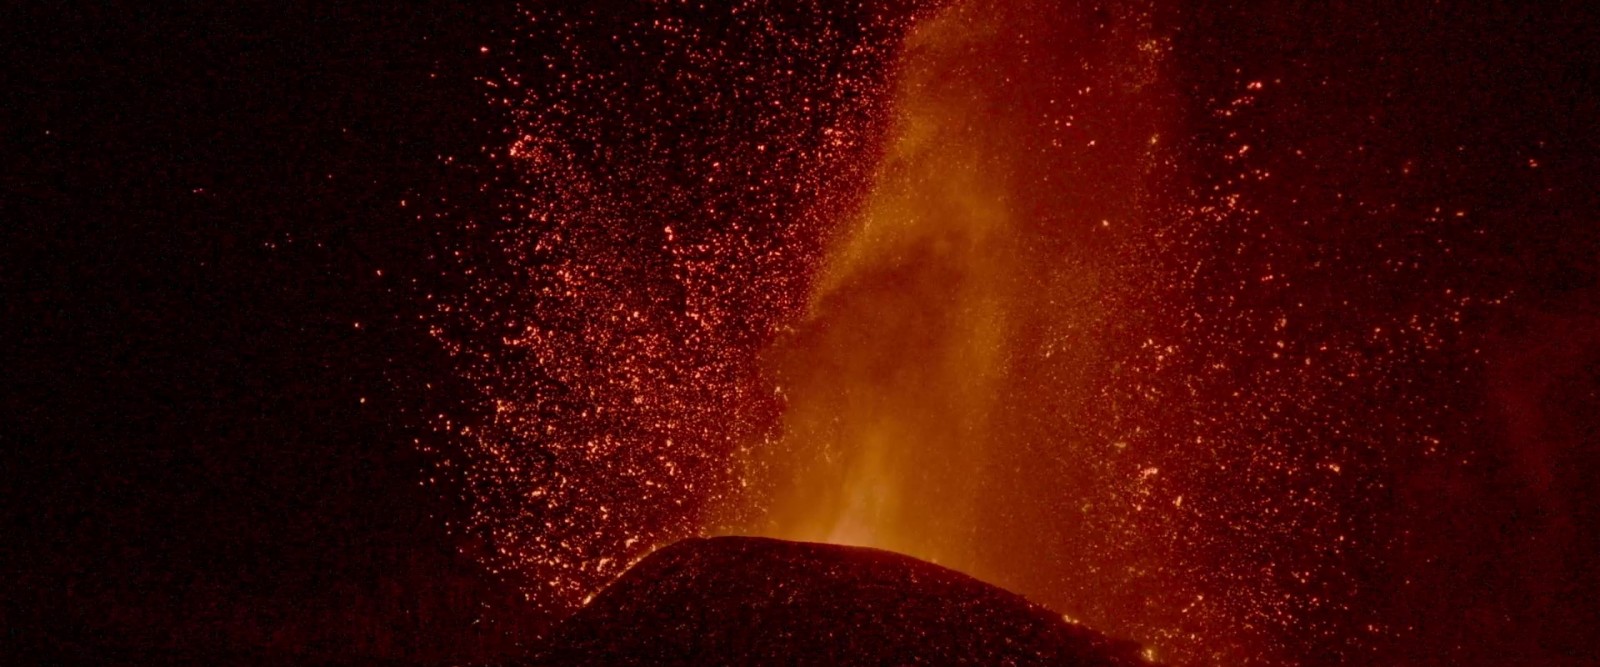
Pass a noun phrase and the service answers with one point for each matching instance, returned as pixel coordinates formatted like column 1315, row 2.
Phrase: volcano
column 748, row 600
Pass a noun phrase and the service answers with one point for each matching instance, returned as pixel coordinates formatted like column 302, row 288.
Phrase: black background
column 199, row 202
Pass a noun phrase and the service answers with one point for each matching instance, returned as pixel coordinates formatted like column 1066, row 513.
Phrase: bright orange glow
column 955, row 329
column 1037, row 290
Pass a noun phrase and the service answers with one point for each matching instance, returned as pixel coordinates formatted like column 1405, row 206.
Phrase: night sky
column 1260, row 335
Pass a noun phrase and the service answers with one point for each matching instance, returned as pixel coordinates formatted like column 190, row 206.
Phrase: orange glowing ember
column 983, row 285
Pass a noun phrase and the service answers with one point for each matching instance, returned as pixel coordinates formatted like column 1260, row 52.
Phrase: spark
column 850, row 274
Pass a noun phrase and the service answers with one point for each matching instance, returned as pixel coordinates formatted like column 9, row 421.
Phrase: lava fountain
column 951, row 389
column 1022, row 288
column 976, row 275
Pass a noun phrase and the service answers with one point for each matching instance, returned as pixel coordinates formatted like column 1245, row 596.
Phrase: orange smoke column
column 984, row 229
column 950, row 356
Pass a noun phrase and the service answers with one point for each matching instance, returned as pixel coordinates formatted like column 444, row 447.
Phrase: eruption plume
column 1005, row 286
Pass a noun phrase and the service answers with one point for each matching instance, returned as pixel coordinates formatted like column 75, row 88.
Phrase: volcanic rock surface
column 745, row 600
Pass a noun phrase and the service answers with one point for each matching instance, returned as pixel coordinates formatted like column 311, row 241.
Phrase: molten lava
column 1031, row 289
column 975, row 277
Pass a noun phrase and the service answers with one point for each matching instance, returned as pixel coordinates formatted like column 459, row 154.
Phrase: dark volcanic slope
column 743, row 600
